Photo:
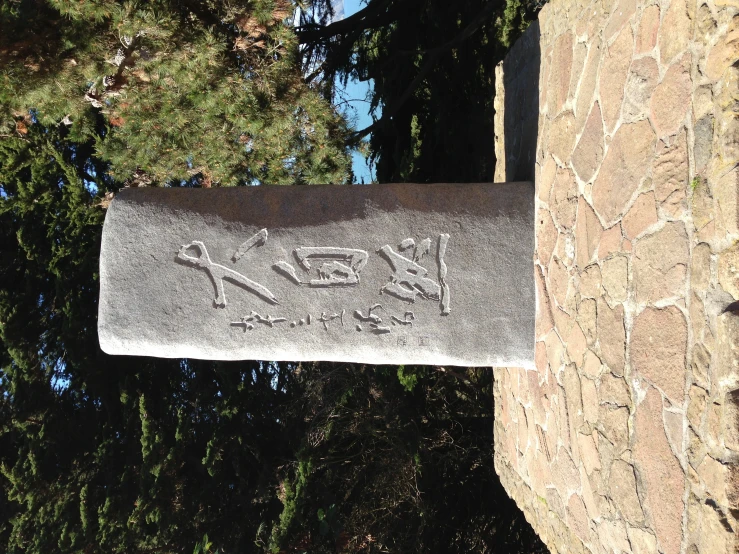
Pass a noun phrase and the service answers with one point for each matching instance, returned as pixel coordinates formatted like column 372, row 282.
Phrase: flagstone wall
column 626, row 438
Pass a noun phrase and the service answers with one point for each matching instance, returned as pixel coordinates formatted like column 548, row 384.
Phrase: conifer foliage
column 101, row 453
column 191, row 88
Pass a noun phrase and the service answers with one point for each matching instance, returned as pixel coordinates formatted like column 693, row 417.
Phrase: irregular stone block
column 676, row 30
column 658, row 346
column 728, row 270
column 623, row 168
column 383, row 274
column 670, row 176
column 661, row 262
column 587, row 234
column 589, row 150
column 613, row 75
column 623, row 491
column 671, row 98
column 611, row 335
column 615, row 278
column 641, row 216
column 646, row 37
column 661, row 473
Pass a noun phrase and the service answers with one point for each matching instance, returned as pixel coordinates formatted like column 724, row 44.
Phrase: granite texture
column 385, row 274
column 626, row 437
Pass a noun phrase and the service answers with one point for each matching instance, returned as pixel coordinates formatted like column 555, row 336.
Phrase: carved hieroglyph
column 427, row 274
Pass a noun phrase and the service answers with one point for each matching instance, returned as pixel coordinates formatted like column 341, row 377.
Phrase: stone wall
column 626, row 438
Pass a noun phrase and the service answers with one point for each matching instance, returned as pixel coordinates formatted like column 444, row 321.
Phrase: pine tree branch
column 428, row 64
column 376, row 14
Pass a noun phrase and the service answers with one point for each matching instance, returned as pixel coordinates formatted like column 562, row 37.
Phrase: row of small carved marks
column 420, row 341
column 250, row 321
column 409, row 278
column 375, row 321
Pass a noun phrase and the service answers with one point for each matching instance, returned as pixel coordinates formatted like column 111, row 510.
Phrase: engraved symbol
column 258, row 239
column 217, row 272
column 370, row 317
column 373, row 320
column 440, row 253
column 409, row 277
column 424, row 341
column 403, row 341
column 408, row 319
column 326, row 318
column 340, row 267
column 254, row 317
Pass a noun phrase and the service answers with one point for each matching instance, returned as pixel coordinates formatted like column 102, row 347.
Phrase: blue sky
column 356, row 106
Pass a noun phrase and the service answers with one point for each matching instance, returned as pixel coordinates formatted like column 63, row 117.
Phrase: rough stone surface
column 242, row 293
column 728, row 270
column 559, row 80
column 642, row 542
column 588, row 83
column 622, row 13
column 725, row 363
column 588, row 452
column 544, row 318
column 547, row 233
column 562, row 136
column 613, row 536
column 703, row 142
column 590, row 281
column 697, row 406
column 587, row 234
column 564, row 198
column 658, row 347
column 613, row 76
column 623, row 167
column 670, row 176
column 676, row 32
column 654, row 156
column 589, row 151
column 661, row 262
column 610, row 242
column 611, row 336
column 700, row 267
column 642, row 80
column 661, row 473
column 641, row 216
column 671, row 98
column 722, row 55
column 577, row 517
column 731, row 423
column 613, row 390
column 615, row 278
column 623, row 491
column 646, row 38
column 559, row 281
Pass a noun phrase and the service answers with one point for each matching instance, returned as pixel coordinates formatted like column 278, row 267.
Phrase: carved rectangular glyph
column 436, row 274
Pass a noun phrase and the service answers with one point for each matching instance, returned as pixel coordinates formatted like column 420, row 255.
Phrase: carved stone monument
column 382, row 274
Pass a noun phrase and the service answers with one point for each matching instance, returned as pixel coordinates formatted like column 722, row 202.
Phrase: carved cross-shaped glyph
column 218, row 273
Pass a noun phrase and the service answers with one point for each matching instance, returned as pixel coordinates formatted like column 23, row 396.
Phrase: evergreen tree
column 432, row 66
column 123, row 454
column 397, row 460
column 193, row 88
column 103, row 453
